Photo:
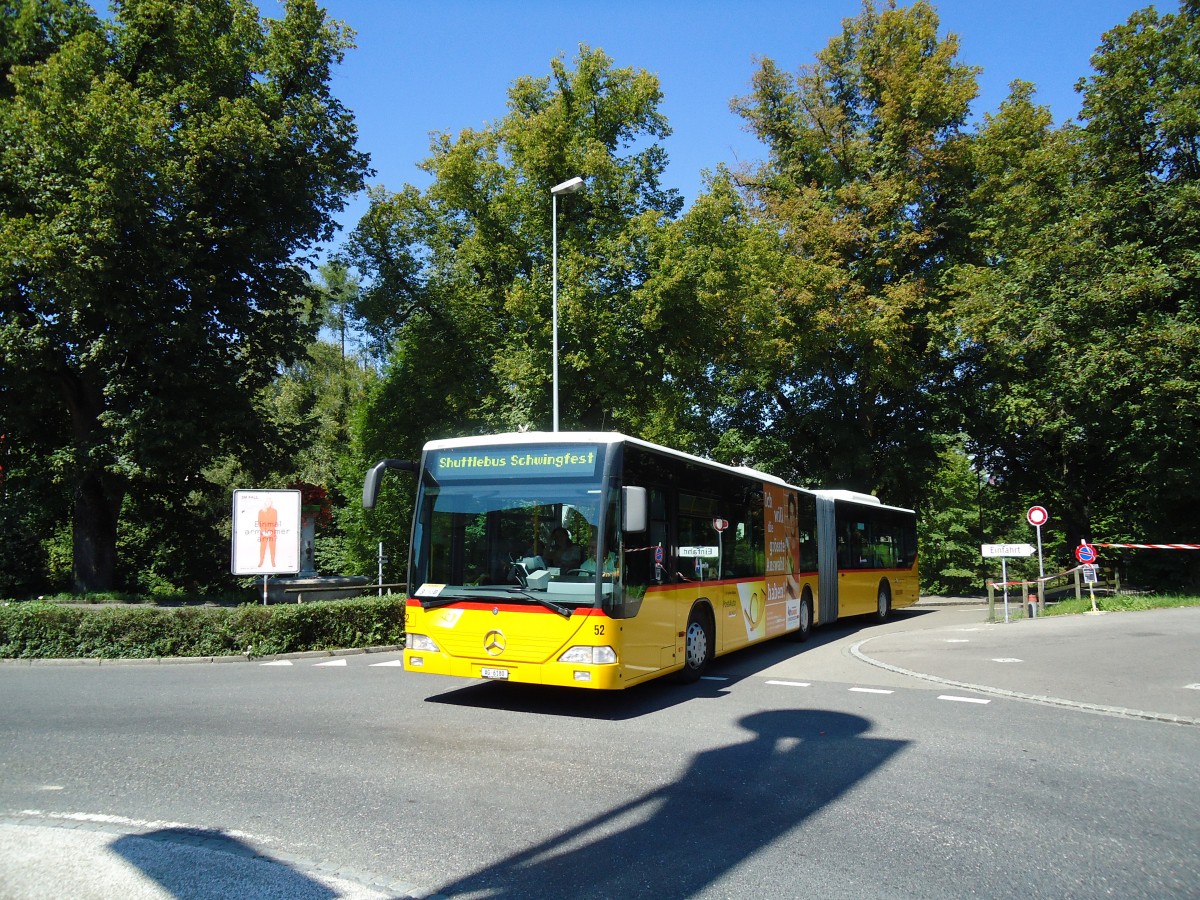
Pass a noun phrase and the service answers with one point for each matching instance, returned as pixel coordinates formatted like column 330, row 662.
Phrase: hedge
column 49, row 631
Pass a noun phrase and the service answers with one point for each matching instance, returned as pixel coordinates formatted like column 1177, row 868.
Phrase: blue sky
column 427, row 66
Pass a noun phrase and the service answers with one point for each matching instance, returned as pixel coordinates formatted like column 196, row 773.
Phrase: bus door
column 648, row 625
column 707, row 561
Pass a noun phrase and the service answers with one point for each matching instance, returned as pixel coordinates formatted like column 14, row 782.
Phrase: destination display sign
column 514, row 462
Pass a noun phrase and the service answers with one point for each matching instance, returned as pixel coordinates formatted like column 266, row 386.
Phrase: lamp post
column 567, row 187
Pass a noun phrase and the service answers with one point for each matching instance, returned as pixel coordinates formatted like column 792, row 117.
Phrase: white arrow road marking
column 277, row 662
column 332, row 662
column 390, row 662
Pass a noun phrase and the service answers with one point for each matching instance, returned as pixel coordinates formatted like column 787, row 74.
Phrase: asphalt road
column 826, row 768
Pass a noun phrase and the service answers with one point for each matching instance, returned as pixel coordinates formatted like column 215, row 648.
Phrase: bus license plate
column 494, row 673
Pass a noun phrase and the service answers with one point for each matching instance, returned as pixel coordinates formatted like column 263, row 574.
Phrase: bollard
column 1032, row 606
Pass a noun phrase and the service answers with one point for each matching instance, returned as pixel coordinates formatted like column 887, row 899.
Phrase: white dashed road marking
column 963, row 699
column 871, row 690
column 1007, row 659
column 791, row 683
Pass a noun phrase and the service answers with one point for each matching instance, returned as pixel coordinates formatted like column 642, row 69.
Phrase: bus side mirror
column 634, row 509
column 371, row 483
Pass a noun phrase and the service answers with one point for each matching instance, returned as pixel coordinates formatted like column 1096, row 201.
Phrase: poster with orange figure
column 266, row 532
column 781, row 609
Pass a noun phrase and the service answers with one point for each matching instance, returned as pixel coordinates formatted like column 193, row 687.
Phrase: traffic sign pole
column 1004, row 580
column 1037, row 517
column 1087, row 556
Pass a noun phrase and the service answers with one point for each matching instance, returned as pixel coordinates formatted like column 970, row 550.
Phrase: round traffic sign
column 1085, row 552
column 1037, row 516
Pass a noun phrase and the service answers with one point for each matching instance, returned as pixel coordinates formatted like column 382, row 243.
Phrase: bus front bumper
column 601, row 677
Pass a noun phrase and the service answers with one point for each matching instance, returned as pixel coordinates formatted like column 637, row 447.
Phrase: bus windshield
column 480, row 533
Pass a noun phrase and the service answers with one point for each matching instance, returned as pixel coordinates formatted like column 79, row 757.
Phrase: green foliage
column 950, row 527
column 968, row 319
column 866, row 164
column 1076, row 326
column 458, row 277
column 159, row 175
column 41, row 630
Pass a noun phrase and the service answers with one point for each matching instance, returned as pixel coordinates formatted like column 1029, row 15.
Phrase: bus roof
column 610, row 438
column 855, row 497
column 607, row 438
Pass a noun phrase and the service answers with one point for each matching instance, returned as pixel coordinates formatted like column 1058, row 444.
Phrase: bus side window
column 747, row 555
column 640, row 566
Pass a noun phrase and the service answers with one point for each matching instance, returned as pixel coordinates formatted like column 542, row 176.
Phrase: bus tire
column 698, row 645
column 883, row 608
column 800, row 635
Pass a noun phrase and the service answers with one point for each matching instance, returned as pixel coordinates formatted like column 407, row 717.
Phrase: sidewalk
column 933, row 600
column 1137, row 664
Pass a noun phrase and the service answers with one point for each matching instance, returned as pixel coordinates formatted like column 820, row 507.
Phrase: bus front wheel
column 697, row 646
column 884, row 607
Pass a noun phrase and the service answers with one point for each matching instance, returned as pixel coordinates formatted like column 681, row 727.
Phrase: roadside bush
column 51, row 631
column 1120, row 603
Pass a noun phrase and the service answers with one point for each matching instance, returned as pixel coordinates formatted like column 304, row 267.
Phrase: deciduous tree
column 162, row 174
column 864, row 181
column 458, row 276
column 1078, row 323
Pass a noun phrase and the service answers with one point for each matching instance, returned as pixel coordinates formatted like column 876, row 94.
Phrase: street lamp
column 567, row 187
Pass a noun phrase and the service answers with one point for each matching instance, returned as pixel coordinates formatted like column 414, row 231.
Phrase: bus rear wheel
column 884, row 608
column 697, row 646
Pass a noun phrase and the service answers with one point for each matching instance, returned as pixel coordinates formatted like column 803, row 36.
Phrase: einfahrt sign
column 993, row 551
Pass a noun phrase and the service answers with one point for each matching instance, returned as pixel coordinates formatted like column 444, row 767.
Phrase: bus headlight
column 420, row 642
column 590, row 656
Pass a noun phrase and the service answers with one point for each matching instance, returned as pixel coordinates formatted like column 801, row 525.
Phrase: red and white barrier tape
column 1153, row 546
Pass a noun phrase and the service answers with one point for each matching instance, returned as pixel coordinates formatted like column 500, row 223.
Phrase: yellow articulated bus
column 602, row 561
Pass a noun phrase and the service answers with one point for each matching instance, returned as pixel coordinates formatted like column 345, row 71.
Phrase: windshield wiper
column 455, row 596
column 437, row 602
column 565, row 611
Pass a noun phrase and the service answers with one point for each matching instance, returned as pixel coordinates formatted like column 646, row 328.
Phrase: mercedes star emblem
column 493, row 643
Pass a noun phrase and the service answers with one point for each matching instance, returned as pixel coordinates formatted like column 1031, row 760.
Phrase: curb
column 195, row 660
column 1118, row 711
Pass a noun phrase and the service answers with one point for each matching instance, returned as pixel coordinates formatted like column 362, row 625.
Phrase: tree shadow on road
column 675, row 841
